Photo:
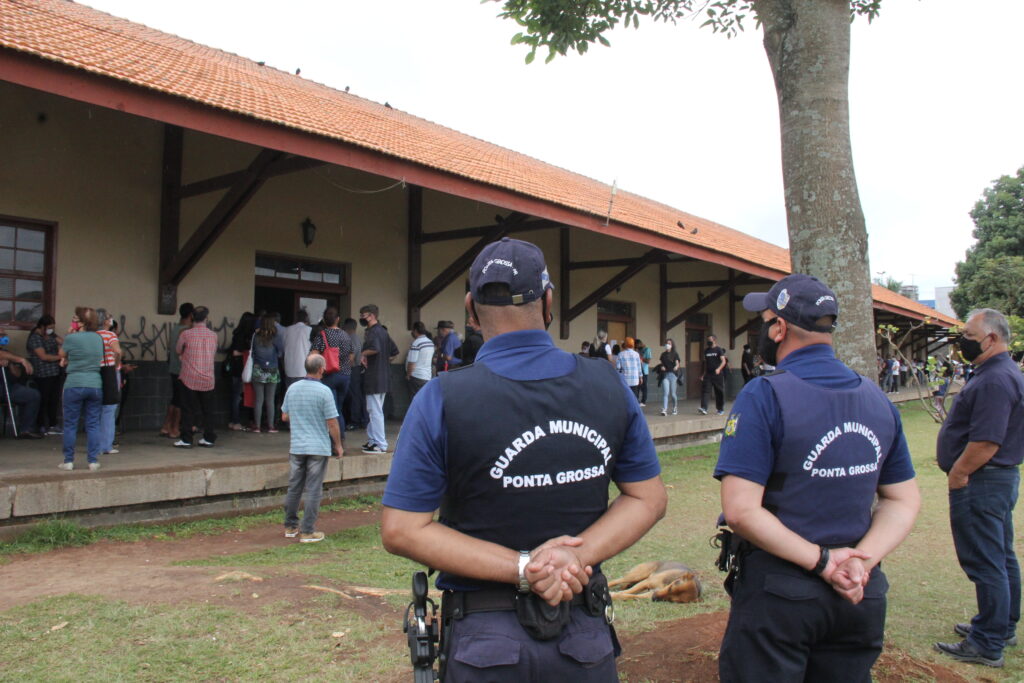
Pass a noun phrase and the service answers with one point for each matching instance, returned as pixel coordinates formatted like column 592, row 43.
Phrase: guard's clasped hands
column 555, row 572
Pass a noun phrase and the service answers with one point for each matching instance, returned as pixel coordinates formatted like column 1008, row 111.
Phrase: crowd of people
column 65, row 380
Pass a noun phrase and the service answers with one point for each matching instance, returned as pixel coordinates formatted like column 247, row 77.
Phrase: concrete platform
column 150, row 480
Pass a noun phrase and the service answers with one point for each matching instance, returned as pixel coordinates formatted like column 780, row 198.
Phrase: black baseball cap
column 799, row 299
column 516, row 263
column 445, row 324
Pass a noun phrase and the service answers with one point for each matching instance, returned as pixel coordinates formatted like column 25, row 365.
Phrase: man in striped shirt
column 197, row 347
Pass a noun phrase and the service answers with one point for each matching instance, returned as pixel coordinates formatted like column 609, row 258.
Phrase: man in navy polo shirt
column 518, row 451
column 804, row 452
column 980, row 446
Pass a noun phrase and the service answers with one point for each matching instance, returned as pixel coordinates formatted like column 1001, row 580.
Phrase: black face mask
column 710, row 344
column 364, row 322
column 970, row 349
column 767, row 347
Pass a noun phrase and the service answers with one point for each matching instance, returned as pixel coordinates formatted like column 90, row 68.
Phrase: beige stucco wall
column 97, row 174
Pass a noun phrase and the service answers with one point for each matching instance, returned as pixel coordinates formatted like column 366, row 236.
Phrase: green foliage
column 890, row 283
column 1016, row 334
column 992, row 275
column 563, row 25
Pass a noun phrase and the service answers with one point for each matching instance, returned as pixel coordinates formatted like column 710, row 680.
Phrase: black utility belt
column 539, row 619
column 998, row 467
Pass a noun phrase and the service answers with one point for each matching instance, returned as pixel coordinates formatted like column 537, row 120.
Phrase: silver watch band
column 524, row 559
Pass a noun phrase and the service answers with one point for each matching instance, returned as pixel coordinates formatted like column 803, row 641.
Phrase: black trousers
column 197, row 410
column 714, row 382
column 787, row 625
column 49, row 401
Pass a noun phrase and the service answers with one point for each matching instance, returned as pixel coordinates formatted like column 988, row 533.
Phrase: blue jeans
column 107, row 416
column 668, row 385
column 375, row 429
column 306, row 475
column 338, row 384
column 79, row 400
column 981, row 517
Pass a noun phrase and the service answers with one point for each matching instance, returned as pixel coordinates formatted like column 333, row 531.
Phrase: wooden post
column 415, row 244
column 663, row 302
column 565, row 300
column 170, row 214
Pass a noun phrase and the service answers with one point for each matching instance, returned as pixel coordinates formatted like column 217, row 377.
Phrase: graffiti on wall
column 148, row 341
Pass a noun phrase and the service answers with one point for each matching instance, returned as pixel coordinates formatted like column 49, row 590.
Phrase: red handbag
column 331, row 356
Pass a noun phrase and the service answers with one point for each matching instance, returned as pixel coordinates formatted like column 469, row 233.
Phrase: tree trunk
column 808, row 47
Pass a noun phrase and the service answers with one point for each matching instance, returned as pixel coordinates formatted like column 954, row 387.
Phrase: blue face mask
column 5, row 340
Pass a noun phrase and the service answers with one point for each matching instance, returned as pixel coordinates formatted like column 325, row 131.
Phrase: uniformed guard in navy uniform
column 804, row 452
column 517, row 450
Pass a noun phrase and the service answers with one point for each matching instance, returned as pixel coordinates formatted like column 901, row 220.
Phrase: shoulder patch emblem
column 731, row 424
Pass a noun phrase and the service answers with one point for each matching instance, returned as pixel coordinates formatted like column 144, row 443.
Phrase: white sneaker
column 702, row 411
column 205, row 444
column 66, row 466
column 112, row 451
column 643, row 405
column 374, row 450
column 182, row 444
column 720, row 413
column 675, row 411
column 93, row 466
column 664, row 413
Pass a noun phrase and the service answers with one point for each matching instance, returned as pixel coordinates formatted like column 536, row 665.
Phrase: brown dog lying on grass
column 659, row 581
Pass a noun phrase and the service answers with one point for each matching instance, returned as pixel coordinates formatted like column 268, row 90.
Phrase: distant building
column 930, row 303
column 942, row 304
column 909, row 291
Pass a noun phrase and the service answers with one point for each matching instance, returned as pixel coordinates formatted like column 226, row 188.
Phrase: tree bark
column 808, row 47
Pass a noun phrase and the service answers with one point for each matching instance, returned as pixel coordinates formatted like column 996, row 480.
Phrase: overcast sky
column 675, row 113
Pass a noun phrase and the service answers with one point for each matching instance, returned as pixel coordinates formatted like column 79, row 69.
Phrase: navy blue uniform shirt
column 990, row 408
column 749, row 452
column 417, row 481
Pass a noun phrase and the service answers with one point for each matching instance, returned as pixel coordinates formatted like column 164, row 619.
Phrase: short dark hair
column 349, row 324
column 200, row 313
column 185, row 310
column 419, row 328
column 302, row 316
column 371, row 308
column 330, row 316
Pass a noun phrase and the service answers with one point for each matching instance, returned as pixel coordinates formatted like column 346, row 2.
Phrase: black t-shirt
column 747, row 362
column 713, row 358
column 668, row 361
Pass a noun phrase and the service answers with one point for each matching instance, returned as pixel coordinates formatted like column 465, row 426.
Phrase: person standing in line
column 267, row 350
column 43, row 348
column 337, row 380
column 172, row 421
column 510, row 613
column 747, row 364
column 980, row 447
column 81, row 355
column 628, row 365
column 447, row 344
column 296, row 347
column 645, row 366
column 713, row 376
column 669, row 370
column 110, row 373
column 585, row 349
column 807, row 589
column 310, row 409
column 197, row 348
column 471, row 346
column 357, row 417
column 418, row 360
column 378, row 349
column 241, row 344
column 601, row 348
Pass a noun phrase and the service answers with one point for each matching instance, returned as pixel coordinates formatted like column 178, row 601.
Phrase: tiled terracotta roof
column 87, row 39
column 919, row 310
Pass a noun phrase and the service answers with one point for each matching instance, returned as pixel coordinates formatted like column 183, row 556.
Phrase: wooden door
column 694, row 361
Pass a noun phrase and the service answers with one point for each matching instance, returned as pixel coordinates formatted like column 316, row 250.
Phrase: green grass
column 120, row 641
column 63, row 533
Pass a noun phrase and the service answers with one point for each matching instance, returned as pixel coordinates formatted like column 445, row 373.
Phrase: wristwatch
column 822, row 560
column 524, row 559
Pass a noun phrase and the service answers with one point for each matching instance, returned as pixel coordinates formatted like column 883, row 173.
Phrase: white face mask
column 668, row 347
column 49, row 330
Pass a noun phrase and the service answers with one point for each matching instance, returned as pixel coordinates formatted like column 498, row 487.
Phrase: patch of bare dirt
column 143, row 572
column 686, row 650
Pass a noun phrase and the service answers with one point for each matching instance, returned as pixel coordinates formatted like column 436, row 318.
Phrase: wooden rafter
column 282, row 166
column 217, row 221
column 617, row 280
column 170, row 212
column 414, row 220
column 482, row 230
